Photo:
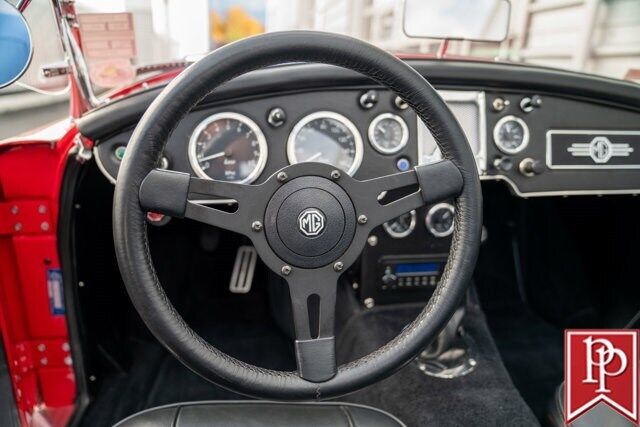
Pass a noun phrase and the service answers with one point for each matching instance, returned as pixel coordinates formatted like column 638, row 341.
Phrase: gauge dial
column 388, row 133
column 511, row 134
column 228, row 147
column 401, row 226
column 440, row 219
column 326, row 137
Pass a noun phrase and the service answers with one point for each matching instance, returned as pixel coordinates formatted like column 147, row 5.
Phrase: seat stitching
column 175, row 418
column 347, row 414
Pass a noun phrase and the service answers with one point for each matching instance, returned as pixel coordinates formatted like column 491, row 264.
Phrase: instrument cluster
column 229, row 146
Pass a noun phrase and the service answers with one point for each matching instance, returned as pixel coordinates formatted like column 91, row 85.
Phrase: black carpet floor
column 532, row 351
column 156, row 378
column 485, row 397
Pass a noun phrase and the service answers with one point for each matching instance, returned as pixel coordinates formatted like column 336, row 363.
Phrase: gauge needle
column 212, row 156
column 315, row 156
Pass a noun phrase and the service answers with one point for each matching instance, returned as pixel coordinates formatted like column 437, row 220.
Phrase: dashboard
column 542, row 132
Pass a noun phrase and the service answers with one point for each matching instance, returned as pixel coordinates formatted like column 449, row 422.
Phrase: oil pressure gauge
column 388, row 133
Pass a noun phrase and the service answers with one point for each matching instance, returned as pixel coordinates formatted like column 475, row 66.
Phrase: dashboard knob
column 499, row 104
column 530, row 167
column 504, row 164
column 400, row 103
column 276, row 117
column 368, row 99
column 527, row 104
column 389, row 279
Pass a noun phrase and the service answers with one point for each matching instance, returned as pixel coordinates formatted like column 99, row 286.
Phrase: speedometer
column 326, row 137
column 228, row 147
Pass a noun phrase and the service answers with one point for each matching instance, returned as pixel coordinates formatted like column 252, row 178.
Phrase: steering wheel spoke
column 382, row 199
column 313, row 301
column 180, row 195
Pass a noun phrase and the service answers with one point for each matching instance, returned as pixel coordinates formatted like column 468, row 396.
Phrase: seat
column 599, row 415
column 260, row 413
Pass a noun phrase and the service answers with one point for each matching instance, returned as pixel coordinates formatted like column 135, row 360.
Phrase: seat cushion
column 260, row 413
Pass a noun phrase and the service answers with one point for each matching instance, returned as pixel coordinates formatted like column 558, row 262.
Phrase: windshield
column 120, row 38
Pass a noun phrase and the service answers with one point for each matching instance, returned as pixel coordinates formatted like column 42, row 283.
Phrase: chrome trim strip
column 517, row 192
column 96, row 155
column 548, row 155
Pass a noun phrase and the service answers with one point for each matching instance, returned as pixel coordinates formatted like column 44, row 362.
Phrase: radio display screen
column 418, row 269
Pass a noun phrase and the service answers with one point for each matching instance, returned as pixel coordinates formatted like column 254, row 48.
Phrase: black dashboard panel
column 295, row 106
column 562, row 148
column 562, row 115
column 569, row 102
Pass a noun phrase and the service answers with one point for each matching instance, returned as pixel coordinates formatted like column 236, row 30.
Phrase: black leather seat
column 260, row 413
column 600, row 415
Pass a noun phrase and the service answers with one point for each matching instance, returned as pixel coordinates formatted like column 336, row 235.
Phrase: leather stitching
column 347, row 415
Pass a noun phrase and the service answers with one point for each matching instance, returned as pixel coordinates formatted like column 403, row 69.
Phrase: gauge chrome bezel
column 396, row 235
column 428, row 221
column 525, row 134
column 291, row 141
column 372, row 129
column 262, row 144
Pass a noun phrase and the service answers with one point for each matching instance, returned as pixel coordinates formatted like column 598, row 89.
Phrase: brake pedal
column 243, row 269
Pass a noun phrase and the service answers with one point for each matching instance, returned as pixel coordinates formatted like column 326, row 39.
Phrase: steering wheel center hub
column 310, row 222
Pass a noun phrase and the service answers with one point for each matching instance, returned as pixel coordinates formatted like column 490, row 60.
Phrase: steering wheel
column 308, row 222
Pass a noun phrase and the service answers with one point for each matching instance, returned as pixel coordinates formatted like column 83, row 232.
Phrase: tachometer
column 388, row 133
column 228, row 147
column 326, row 137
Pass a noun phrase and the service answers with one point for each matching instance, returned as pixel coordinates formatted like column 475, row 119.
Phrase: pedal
column 243, row 269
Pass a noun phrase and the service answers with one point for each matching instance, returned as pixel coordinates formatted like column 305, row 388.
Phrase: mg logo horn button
column 311, row 222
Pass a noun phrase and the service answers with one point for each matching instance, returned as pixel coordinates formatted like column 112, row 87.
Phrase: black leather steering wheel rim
column 145, row 149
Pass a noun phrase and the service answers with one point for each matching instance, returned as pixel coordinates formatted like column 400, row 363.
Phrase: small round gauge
column 228, row 147
column 326, row 137
column 401, row 226
column 511, row 134
column 440, row 219
column 388, row 133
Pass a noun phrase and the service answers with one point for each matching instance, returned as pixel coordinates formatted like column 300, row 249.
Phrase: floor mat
column 157, row 378
column 485, row 397
column 532, row 351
